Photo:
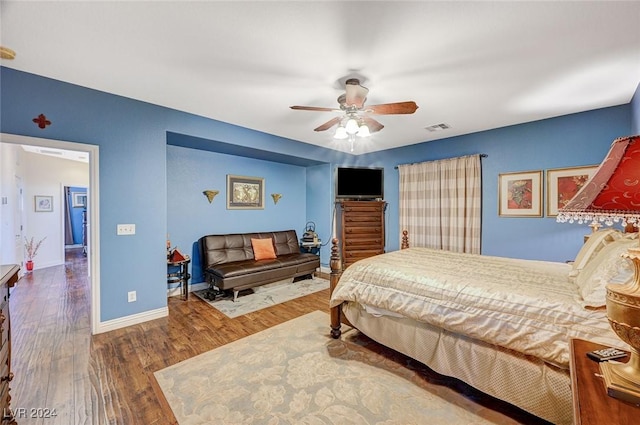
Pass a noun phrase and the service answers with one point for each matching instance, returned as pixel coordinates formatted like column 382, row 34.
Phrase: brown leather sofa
column 229, row 264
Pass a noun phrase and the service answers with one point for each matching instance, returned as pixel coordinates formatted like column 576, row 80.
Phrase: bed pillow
column 592, row 246
column 608, row 266
column 263, row 249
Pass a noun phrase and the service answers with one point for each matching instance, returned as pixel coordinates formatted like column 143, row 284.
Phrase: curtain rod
column 482, row 155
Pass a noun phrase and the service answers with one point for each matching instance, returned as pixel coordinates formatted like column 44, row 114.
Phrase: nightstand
column 591, row 403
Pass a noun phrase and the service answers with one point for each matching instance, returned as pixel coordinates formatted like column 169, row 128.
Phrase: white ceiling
column 472, row 65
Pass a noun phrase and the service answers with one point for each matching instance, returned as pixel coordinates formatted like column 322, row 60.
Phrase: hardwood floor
column 108, row 378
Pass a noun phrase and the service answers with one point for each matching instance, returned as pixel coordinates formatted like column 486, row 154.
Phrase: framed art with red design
column 520, row 194
column 563, row 184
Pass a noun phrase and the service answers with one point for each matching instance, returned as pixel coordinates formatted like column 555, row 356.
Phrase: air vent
column 438, row 127
column 50, row 152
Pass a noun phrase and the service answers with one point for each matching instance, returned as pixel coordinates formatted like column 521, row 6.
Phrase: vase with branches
column 31, row 250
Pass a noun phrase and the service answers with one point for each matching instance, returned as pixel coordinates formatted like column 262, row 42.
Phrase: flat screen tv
column 359, row 183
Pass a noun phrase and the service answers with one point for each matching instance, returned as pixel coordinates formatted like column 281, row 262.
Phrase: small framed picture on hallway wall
column 43, row 203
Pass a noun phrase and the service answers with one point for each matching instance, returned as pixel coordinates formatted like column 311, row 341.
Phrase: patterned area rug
column 294, row 373
column 264, row 296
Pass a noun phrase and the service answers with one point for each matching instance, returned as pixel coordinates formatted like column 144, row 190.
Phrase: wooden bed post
column 336, row 271
column 405, row 240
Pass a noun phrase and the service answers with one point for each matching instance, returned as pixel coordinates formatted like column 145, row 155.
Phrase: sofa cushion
column 263, row 249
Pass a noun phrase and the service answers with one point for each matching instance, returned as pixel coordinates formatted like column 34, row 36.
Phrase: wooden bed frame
column 335, row 263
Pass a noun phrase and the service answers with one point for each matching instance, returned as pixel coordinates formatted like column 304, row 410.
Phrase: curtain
column 440, row 203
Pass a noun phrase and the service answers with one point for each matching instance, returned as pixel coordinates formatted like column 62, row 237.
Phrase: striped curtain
column 440, row 203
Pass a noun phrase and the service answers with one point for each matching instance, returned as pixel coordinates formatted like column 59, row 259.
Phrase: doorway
column 75, row 218
column 92, row 211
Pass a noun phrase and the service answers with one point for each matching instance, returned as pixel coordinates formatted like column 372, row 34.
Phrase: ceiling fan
column 355, row 120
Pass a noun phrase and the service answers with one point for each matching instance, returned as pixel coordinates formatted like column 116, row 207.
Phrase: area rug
column 264, row 296
column 294, row 373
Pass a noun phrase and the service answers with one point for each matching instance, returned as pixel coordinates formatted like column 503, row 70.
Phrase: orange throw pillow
column 263, row 249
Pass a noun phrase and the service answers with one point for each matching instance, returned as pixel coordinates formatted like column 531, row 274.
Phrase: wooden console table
column 591, row 403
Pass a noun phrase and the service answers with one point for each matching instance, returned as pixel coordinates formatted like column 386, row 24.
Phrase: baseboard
column 134, row 319
column 176, row 291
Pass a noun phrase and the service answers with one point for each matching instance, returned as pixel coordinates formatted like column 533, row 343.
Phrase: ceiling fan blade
column 313, row 108
column 356, row 94
column 393, row 108
column 328, row 124
column 372, row 124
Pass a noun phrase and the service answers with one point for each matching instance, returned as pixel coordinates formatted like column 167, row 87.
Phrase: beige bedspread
column 524, row 305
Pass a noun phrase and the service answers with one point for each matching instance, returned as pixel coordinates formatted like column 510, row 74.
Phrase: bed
column 501, row 325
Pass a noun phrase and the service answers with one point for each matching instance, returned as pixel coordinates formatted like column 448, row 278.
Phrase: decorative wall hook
column 210, row 194
column 42, row 121
column 276, row 197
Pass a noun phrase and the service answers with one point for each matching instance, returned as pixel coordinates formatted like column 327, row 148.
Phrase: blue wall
column 190, row 215
column 572, row 140
column 159, row 187
column 132, row 140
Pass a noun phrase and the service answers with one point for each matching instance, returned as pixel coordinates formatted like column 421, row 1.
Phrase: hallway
column 50, row 325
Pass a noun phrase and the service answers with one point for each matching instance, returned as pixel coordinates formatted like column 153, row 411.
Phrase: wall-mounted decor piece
column 563, row 184
column 245, row 193
column 42, row 121
column 43, row 203
column 276, row 197
column 78, row 199
column 520, row 194
column 210, row 194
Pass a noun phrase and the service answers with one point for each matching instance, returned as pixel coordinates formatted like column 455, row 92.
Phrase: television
column 359, row 183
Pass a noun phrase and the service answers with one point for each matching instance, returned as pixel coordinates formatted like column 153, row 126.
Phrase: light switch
column 126, row 229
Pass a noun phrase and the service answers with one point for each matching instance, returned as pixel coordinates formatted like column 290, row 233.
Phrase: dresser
column 361, row 229
column 9, row 276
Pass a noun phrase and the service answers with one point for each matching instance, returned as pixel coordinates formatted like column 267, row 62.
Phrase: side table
column 311, row 247
column 178, row 271
column 591, row 403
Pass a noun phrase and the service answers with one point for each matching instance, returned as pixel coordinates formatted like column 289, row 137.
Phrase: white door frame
column 93, row 210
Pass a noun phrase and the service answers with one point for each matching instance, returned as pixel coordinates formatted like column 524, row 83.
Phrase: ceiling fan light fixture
column 341, row 133
column 363, row 131
column 352, row 126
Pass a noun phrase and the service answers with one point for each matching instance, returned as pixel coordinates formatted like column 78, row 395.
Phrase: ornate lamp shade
column 612, row 195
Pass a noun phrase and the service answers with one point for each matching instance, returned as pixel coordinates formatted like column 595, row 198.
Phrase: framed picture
column 78, row 199
column 520, row 194
column 245, row 193
column 563, row 184
column 43, row 203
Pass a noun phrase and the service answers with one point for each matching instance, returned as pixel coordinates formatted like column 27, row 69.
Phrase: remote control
column 606, row 354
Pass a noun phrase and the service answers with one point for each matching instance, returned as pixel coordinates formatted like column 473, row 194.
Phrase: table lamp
column 612, row 195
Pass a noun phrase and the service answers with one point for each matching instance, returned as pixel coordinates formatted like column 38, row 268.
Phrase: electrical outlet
column 126, row 229
column 131, row 296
